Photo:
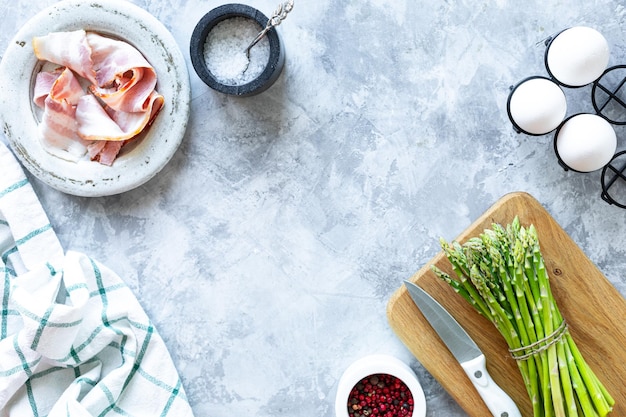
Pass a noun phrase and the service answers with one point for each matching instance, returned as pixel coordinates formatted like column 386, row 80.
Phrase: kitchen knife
column 465, row 351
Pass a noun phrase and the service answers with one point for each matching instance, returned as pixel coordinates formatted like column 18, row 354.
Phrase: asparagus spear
column 502, row 274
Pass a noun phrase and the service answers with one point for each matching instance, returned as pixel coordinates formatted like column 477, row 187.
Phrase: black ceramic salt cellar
column 199, row 36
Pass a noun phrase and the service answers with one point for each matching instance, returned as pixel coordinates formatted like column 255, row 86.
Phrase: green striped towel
column 74, row 340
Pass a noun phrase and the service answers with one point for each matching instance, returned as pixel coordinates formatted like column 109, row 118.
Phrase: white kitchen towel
column 74, row 340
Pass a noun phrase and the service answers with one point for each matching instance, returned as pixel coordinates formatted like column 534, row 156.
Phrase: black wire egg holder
column 614, row 172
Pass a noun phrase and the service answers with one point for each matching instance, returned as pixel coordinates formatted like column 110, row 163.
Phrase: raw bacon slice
column 43, row 84
column 100, row 124
column 58, row 130
column 105, row 152
column 136, row 122
column 122, row 101
column 94, row 123
column 125, row 80
column 67, row 87
column 60, row 84
column 69, row 49
column 94, row 149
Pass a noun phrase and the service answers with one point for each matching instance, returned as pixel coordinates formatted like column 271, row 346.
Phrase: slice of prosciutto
column 119, row 102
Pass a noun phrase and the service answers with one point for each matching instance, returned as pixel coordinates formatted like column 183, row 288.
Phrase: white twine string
column 525, row 352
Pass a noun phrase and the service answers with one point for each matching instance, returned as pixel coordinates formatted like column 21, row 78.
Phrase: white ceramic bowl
column 138, row 161
column 379, row 364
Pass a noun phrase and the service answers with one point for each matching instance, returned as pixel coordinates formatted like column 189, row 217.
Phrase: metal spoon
column 279, row 15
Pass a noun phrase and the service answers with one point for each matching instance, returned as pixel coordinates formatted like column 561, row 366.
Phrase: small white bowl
column 379, row 364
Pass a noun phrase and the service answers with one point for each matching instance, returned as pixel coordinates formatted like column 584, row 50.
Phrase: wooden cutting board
column 595, row 312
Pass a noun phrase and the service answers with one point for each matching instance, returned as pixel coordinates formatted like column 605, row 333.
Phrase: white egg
column 586, row 142
column 537, row 106
column 577, row 56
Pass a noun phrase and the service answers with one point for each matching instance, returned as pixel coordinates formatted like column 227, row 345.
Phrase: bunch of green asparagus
column 503, row 275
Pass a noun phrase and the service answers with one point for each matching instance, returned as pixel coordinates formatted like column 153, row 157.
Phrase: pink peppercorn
column 381, row 395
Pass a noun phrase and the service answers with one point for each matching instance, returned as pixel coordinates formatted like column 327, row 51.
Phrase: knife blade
column 465, row 351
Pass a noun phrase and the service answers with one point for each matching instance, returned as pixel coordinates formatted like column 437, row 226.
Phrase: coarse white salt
column 224, row 51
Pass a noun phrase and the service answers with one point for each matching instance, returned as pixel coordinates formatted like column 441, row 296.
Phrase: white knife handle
column 497, row 401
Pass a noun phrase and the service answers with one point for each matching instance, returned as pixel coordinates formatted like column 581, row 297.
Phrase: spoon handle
column 279, row 15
